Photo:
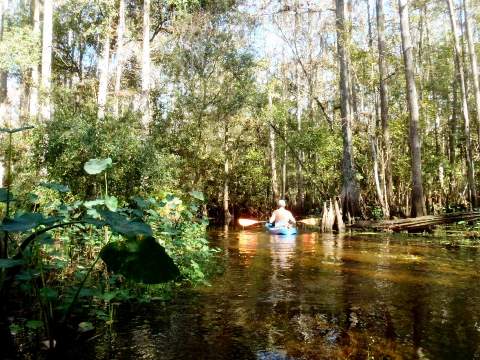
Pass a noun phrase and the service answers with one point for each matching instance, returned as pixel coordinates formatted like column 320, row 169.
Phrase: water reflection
column 316, row 297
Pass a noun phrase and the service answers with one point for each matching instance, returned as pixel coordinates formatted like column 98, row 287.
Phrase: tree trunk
column 33, row 99
column 145, row 100
column 382, row 68
column 300, row 200
column 46, row 84
column 3, row 74
column 468, row 151
column 473, row 63
column 273, row 161
column 103, row 75
column 452, row 136
column 376, row 176
column 418, row 201
column 119, row 68
column 284, row 165
column 226, row 212
column 350, row 191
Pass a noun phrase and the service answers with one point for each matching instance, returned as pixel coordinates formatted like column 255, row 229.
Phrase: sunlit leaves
column 19, row 49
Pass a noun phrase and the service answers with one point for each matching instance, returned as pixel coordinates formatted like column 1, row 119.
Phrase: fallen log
column 418, row 224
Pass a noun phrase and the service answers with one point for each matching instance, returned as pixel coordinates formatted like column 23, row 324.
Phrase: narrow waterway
column 315, row 296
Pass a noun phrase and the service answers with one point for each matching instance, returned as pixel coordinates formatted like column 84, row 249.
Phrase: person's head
column 282, row 203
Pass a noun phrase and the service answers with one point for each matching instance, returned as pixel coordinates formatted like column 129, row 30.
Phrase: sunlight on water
column 315, row 296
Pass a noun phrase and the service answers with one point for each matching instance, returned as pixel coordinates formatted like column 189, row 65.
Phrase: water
column 315, row 296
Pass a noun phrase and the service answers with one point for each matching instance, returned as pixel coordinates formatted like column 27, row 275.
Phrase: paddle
column 310, row 221
column 248, row 222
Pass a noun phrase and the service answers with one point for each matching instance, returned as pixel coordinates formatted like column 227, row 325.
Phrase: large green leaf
column 92, row 203
column 111, row 202
column 28, row 221
column 55, row 186
column 12, row 131
column 96, row 166
column 3, row 195
column 9, row 263
column 197, row 195
column 48, row 294
column 24, row 222
column 141, row 260
column 122, row 225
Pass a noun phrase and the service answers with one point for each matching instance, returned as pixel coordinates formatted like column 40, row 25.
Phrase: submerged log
column 418, row 224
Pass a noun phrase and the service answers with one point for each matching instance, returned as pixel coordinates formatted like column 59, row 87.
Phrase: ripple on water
column 317, row 297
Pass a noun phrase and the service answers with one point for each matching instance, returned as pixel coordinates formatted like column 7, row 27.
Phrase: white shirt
column 282, row 217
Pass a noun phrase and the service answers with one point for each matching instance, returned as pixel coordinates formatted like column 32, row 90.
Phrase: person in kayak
column 281, row 216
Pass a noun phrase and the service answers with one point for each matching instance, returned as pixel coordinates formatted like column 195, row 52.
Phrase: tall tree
column 350, row 190
column 119, row 56
column 418, row 201
column 35, row 76
column 473, row 62
column 386, row 146
column 145, row 99
column 273, row 158
column 466, row 116
column 226, row 181
column 103, row 75
column 3, row 73
column 46, row 82
column 298, row 98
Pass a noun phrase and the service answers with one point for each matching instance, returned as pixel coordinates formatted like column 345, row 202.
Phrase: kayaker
column 281, row 216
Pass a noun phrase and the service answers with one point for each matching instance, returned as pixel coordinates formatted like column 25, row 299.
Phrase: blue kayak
column 281, row 230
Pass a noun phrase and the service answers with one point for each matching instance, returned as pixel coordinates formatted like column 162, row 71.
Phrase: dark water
column 317, row 296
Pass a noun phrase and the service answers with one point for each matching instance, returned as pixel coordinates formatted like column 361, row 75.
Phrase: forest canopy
column 371, row 101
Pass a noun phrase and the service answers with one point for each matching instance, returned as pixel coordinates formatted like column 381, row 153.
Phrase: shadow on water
column 314, row 296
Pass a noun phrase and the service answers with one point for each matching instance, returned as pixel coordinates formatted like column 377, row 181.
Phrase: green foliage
column 19, row 49
column 66, row 257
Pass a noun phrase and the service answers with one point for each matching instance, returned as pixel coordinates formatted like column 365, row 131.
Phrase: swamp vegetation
column 130, row 126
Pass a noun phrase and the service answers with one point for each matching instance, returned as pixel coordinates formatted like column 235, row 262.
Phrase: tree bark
column 273, row 161
column 3, row 74
column 3, row 117
column 284, row 166
column 35, row 76
column 226, row 181
column 386, row 147
column 145, row 100
column 300, row 200
column 120, row 59
column 418, row 201
column 350, row 191
column 466, row 117
column 103, row 75
column 473, row 64
column 46, row 84
column 376, row 176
